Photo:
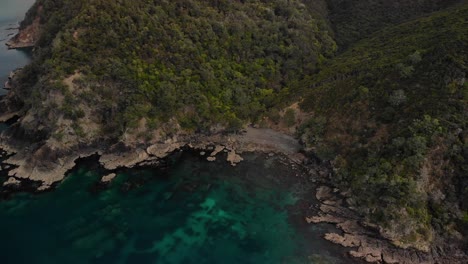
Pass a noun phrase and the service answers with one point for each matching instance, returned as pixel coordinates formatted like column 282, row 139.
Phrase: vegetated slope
column 391, row 114
column 107, row 67
column 353, row 20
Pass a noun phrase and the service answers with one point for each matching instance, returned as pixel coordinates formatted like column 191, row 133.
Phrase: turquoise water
column 193, row 211
column 11, row 13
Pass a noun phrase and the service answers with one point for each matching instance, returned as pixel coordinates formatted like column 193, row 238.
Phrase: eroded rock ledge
column 49, row 164
column 365, row 241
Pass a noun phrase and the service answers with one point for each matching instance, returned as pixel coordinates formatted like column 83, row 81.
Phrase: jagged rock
column 211, row 158
column 37, row 169
column 217, row 150
column 371, row 246
column 234, row 158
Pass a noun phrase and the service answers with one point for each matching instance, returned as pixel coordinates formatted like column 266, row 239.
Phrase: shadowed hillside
column 353, row 20
column 391, row 115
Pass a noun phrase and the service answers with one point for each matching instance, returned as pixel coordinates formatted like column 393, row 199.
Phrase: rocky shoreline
column 40, row 166
column 48, row 166
column 26, row 37
column 365, row 241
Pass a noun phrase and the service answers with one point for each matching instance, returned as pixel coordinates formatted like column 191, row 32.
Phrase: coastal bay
column 188, row 210
column 124, row 150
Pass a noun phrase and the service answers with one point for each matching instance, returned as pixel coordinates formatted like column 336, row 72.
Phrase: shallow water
column 192, row 212
column 11, row 13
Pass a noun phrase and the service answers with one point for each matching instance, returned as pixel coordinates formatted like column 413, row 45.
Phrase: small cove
column 190, row 211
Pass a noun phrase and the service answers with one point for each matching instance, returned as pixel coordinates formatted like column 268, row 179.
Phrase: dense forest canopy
column 353, row 20
column 203, row 62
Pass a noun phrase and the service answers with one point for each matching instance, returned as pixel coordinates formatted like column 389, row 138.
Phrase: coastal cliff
column 28, row 34
column 134, row 82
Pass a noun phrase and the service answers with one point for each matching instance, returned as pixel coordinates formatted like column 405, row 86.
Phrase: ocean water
column 11, row 13
column 190, row 211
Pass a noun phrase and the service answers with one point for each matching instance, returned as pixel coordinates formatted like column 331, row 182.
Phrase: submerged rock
column 12, row 181
column 108, row 178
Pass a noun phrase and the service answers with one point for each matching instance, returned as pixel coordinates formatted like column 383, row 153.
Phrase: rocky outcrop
column 217, row 150
column 43, row 165
column 108, row 178
column 365, row 241
column 26, row 37
column 234, row 158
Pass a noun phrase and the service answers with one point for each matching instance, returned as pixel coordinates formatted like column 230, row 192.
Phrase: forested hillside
column 391, row 114
column 353, row 20
column 203, row 63
column 384, row 82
